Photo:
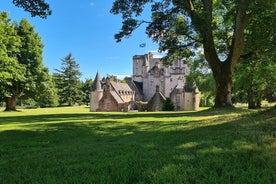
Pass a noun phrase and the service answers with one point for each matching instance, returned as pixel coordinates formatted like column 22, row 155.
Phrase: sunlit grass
column 73, row 145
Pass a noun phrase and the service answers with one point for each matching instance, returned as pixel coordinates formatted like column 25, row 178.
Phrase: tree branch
column 241, row 22
column 246, row 56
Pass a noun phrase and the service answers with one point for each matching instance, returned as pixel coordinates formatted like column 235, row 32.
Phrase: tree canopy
column 68, row 82
column 35, row 7
column 182, row 27
column 22, row 73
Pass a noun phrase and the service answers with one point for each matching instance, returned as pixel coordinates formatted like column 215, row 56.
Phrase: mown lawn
column 72, row 145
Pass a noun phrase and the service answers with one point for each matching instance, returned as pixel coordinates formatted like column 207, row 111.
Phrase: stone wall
column 95, row 97
column 109, row 104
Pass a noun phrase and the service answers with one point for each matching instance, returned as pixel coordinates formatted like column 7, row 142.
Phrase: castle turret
column 196, row 97
column 138, row 63
column 96, row 93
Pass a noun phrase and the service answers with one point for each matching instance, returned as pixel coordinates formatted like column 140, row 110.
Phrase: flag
column 142, row 45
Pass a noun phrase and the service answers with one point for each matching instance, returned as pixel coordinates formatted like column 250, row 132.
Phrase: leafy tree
column 182, row 26
column 35, row 7
column 257, row 73
column 58, row 82
column 11, row 71
column 253, row 78
column 249, row 84
column 86, row 87
column 22, row 71
column 168, row 105
column 49, row 97
column 68, row 81
column 30, row 56
column 202, row 74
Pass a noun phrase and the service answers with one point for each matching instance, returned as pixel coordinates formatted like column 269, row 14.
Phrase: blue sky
column 86, row 29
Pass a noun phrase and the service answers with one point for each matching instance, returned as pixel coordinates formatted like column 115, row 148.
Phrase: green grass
column 72, row 145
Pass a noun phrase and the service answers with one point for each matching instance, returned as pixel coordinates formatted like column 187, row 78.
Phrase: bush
column 168, row 105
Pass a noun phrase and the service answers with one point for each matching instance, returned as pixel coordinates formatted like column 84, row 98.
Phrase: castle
column 148, row 88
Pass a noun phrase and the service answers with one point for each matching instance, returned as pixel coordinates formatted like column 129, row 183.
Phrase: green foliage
column 67, row 80
column 49, row 97
column 11, row 70
column 200, row 73
column 222, row 28
column 180, row 26
column 71, row 145
column 86, row 87
column 253, row 77
column 168, row 105
column 35, row 7
column 256, row 72
column 22, row 71
column 31, row 57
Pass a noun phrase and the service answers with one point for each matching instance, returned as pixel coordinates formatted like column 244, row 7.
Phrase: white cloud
column 157, row 54
column 122, row 76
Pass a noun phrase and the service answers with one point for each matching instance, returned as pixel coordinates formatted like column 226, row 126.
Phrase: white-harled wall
column 166, row 81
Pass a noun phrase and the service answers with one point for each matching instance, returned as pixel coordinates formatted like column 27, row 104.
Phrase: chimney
column 157, row 89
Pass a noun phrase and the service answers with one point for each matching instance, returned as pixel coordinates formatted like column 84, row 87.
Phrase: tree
column 68, row 81
column 86, row 87
column 35, row 7
column 49, row 97
column 256, row 74
column 168, row 105
column 254, row 77
column 11, row 71
column 182, row 26
column 202, row 74
column 22, row 71
column 30, row 56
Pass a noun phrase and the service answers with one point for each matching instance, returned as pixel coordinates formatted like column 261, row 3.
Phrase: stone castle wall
column 151, row 72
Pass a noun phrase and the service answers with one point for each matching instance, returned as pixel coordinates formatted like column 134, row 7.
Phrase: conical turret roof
column 96, row 83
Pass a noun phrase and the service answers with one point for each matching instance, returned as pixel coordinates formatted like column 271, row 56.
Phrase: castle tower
column 196, row 97
column 138, row 62
column 96, row 93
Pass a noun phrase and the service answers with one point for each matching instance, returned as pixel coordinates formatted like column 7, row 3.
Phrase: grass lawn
column 72, row 145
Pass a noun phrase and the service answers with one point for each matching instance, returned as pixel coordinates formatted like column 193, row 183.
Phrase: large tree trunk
column 222, row 70
column 11, row 103
column 224, row 82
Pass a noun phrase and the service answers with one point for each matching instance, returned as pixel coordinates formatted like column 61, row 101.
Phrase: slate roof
column 96, row 83
column 186, row 88
column 156, row 102
column 118, row 86
column 116, row 97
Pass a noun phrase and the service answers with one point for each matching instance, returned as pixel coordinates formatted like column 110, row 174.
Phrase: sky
column 85, row 28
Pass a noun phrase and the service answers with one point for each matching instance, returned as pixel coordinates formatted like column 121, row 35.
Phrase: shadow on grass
column 237, row 151
column 113, row 116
